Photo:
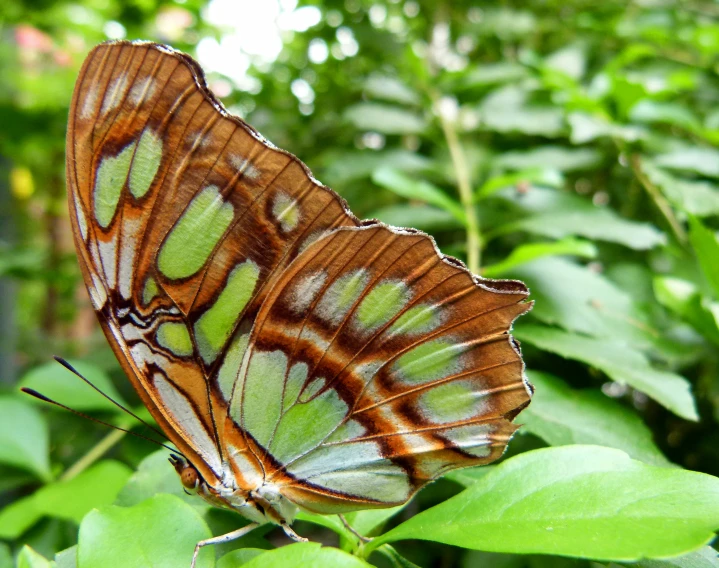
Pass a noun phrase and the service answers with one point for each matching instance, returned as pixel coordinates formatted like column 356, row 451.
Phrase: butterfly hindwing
column 183, row 217
column 374, row 366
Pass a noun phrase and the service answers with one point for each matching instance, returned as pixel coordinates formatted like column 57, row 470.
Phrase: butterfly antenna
column 113, row 401
column 33, row 392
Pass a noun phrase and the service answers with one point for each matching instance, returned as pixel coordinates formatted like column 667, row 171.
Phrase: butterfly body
column 297, row 357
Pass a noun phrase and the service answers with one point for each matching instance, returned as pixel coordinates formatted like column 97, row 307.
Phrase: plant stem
column 659, row 200
column 464, row 187
column 95, row 453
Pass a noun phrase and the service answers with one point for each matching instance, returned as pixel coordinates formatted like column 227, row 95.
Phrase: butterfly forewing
column 182, row 216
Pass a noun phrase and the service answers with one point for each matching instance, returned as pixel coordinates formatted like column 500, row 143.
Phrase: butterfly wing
column 183, row 216
column 374, row 366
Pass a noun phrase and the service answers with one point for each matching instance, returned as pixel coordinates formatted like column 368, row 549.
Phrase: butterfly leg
column 223, row 538
column 292, row 534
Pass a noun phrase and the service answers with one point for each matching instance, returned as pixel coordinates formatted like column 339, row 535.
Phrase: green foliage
column 571, row 144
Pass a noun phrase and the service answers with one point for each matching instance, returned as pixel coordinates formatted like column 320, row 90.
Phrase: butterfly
column 297, row 357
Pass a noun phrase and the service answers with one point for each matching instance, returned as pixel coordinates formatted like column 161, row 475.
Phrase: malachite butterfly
column 297, row 357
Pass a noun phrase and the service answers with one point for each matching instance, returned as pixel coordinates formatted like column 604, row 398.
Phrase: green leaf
column 507, row 110
column 555, row 157
column 390, row 89
column 386, row 119
column 583, row 501
column 479, row 75
column 532, row 251
column 239, row 557
column 364, row 522
column 424, row 217
column 159, row 532
column 558, row 214
column 621, row 363
column 587, row 127
column 699, row 198
column 67, row 558
column 69, row 500
column 703, row 558
column 562, row 416
column 409, row 188
column 308, row 554
column 28, row 558
column 684, row 299
column 6, row 559
column 395, row 559
column 535, row 176
column 706, row 248
column 647, row 110
column 579, row 299
column 343, row 167
column 24, row 437
column 703, row 161
column 56, row 382
column 155, row 475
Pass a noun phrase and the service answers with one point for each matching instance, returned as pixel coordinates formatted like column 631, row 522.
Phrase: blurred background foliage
column 570, row 144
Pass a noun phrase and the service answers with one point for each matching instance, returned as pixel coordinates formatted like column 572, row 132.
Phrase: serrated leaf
column 386, row 119
column 563, row 416
column 56, row 382
column 306, row 554
column 159, row 532
column 69, row 500
column 24, row 437
column 701, row 160
column 621, row 363
column 532, row 251
column 420, row 190
column 583, row 501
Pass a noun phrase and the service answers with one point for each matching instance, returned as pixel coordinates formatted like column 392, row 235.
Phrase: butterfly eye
column 189, row 477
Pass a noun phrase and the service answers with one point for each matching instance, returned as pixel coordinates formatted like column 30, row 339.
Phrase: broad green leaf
column 684, row 299
column 570, row 60
column 480, row 75
column 364, row 522
column 587, row 127
column 508, row 110
column 6, row 559
column 386, row 119
column 562, row 416
column 69, row 500
column 24, row 437
column 648, row 110
column 705, row 245
column 409, row 188
column 28, row 558
column 424, row 217
column 699, row 198
column 703, row 558
column 395, row 559
column 583, row 501
column 56, row 382
column 309, row 554
column 390, row 89
column 67, row 558
column 576, row 298
column 343, row 167
column 558, row 214
column 155, row 475
column 160, row 532
column 536, row 176
column 555, row 157
column 532, row 251
column 700, row 160
column 239, row 557
column 621, row 363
